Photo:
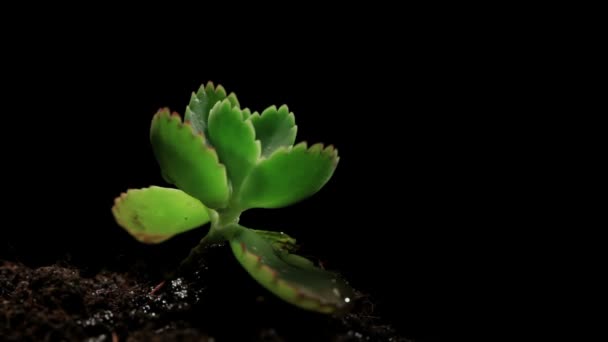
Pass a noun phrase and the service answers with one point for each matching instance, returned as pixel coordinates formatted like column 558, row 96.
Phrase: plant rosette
column 223, row 160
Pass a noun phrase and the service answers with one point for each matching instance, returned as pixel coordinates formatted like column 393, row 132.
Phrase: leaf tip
column 292, row 118
column 219, row 89
column 176, row 115
column 316, row 148
column 209, row 86
column 269, row 110
column 254, row 116
column 303, row 145
column 163, row 111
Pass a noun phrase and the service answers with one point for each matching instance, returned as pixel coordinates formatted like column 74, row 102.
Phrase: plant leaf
column 275, row 128
column 246, row 113
column 289, row 175
column 290, row 277
column 187, row 162
column 234, row 139
column 279, row 240
column 201, row 102
column 155, row 214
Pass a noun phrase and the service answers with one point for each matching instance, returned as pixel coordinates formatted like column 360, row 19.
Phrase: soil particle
column 58, row 303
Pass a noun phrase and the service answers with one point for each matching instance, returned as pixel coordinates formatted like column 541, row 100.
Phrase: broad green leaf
column 290, row 277
column 201, row 102
column 187, row 162
column 288, row 176
column 234, row 140
column 155, row 214
column 275, row 128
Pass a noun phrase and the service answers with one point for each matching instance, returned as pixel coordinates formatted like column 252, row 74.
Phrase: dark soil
column 220, row 302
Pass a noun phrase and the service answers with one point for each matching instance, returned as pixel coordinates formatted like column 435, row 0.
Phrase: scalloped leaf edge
column 245, row 118
column 174, row 116
column 274, row 108
column 227, row 106
column 330, row 151
column 279, row 110
column 166, row 113
column 203, row 91
column 139, row 236
column 210, row 87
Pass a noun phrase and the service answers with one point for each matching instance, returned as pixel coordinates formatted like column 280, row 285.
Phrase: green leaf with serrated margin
column 288, row 176
column 234, row 140
column 275, row 128
column 155, row 214
column 201, row 102
column 187, row 162
column 290, row 277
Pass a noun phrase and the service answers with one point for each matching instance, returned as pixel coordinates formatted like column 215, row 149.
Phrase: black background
column 411, row 215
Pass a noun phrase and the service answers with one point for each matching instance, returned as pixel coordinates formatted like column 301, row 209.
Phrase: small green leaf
column 275, row 128
column 288, row 176
column 155, row 214
column 290, row 277
column 201, row 102
column 187, row 162
column 234, row 139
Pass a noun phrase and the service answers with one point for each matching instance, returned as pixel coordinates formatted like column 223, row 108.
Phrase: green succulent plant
column 224, row 160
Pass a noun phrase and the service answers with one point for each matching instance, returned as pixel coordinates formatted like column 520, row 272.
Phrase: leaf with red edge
column 155, row 214
column 187, row 162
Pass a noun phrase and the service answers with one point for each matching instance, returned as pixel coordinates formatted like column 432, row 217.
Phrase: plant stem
column 229, row 215
column 222, row 227
column 190, row 263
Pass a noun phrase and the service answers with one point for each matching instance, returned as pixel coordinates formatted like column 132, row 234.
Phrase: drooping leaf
column 155, row 214
column 234, row 139
column 275, row 128
column 201, row 102
column 187, row 162
column 292, row 278
column 288, row 175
